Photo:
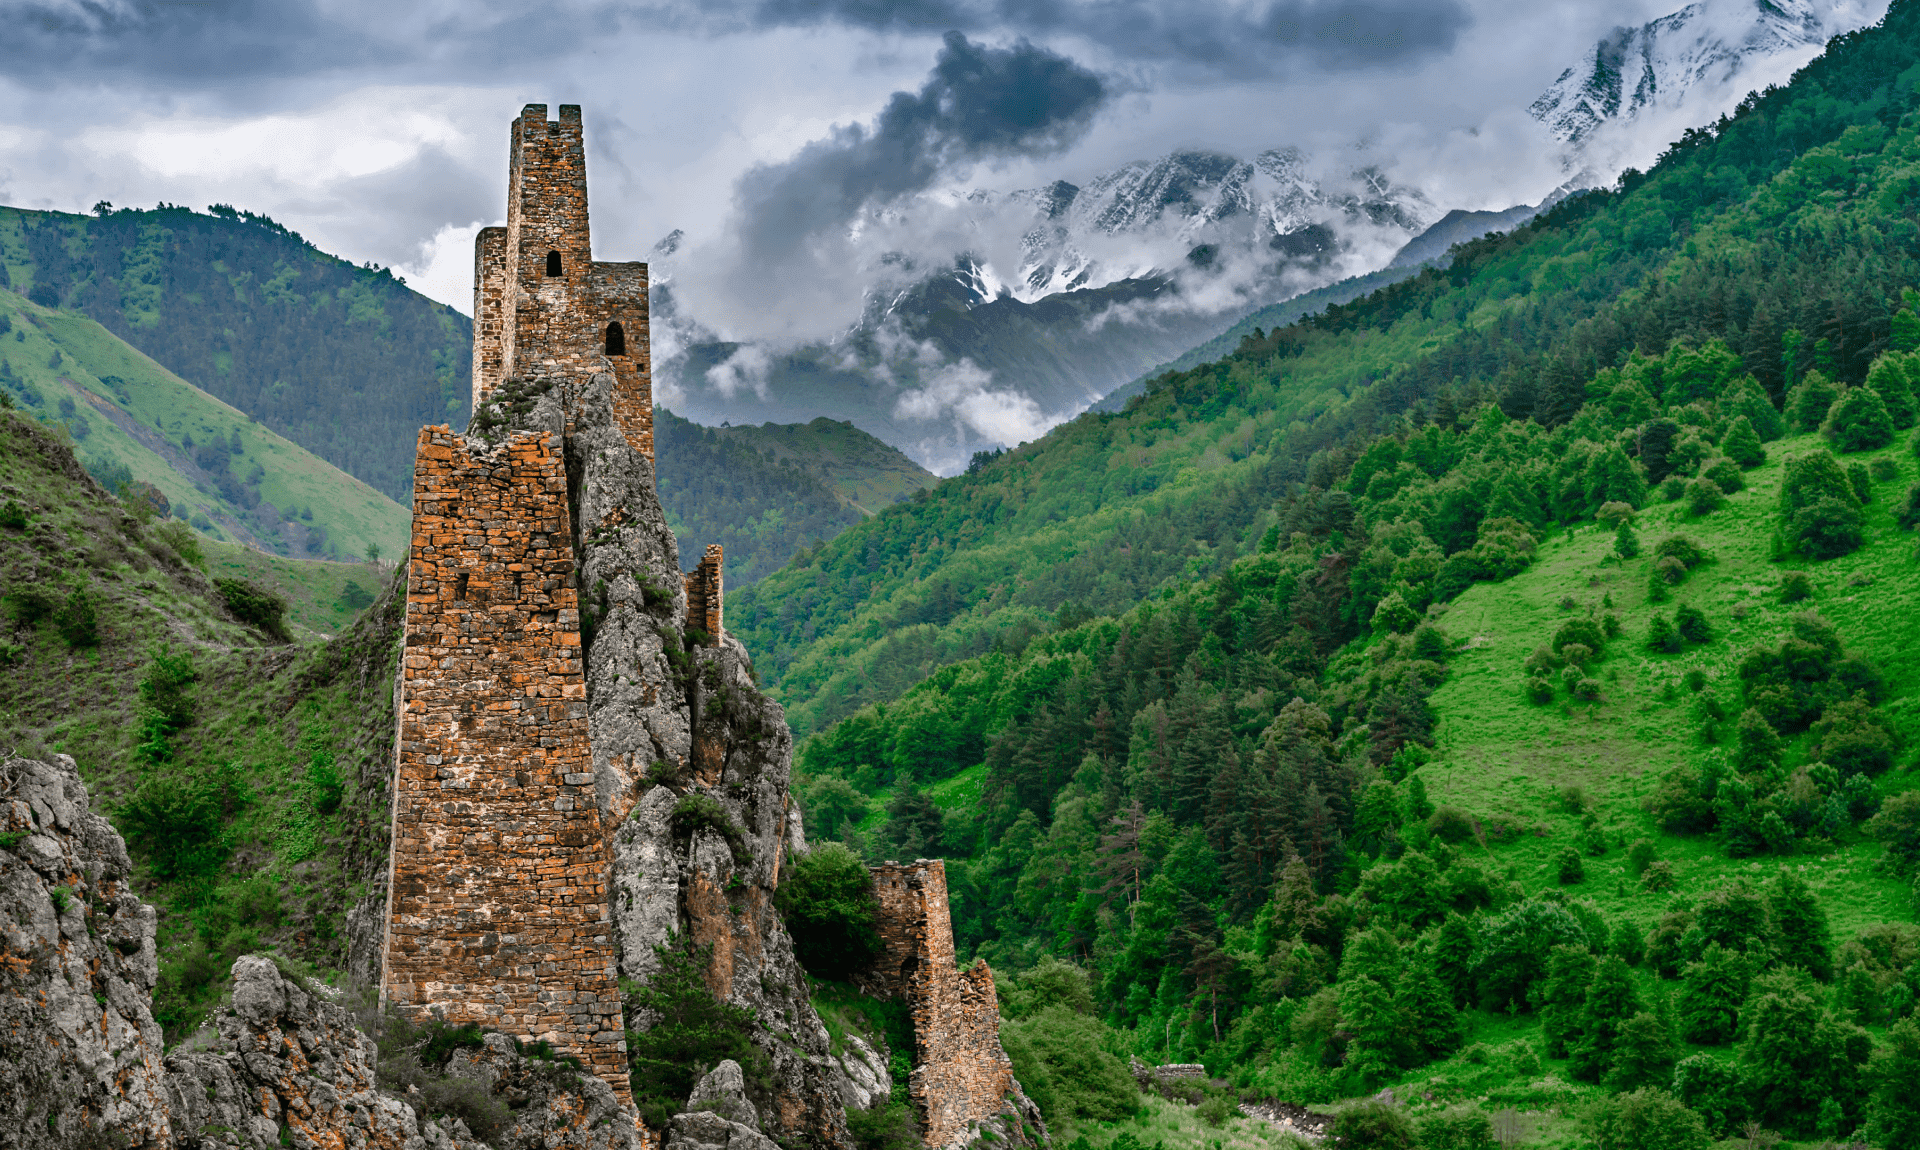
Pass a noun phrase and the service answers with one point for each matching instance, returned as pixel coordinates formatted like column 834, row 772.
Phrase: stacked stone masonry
column 703, row 594
column 542, row 306
column 498, row 910
column 961, row 1075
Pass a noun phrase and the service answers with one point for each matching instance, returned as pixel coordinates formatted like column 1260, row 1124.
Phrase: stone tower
column 542, row 306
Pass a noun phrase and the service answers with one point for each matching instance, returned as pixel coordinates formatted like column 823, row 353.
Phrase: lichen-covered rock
column 724, row 1092
column 671, row 723
column 718, row 1115
column 79, row 1049
column 554, row 1105
column 1017, row 1124
column 863, row 1082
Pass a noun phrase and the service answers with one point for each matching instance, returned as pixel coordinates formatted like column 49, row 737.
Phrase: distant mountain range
column 1119, row 276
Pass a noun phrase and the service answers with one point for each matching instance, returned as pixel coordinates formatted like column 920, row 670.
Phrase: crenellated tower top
column 542, row 306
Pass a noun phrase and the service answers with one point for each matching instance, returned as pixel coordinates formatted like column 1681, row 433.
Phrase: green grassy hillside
column 247, row 768
column 1785, row 231
column 346, row 361
column 765, row 493
column 132, row 420
column 862, row 470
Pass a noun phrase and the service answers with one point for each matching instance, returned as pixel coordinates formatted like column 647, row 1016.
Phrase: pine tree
column 1644, row 1054
column 1625, row 543
column 1453, row 954
column 1757, row 746
column 1742, row 444
column 1859, row 421
column 1561, row 997
column 1801, row 935
column 1661, row 635
column 1612, row 477
column 1610, row 1001
column 1712, row 992
column 1428, row 1020
column 1892, row 376
column 1906, row 331
column 1810, row 400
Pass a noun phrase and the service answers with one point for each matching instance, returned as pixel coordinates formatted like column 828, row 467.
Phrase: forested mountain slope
column 347, row 362
column 766, row 492
column 195, row 458
column 1553, row 748
column 1786, row 231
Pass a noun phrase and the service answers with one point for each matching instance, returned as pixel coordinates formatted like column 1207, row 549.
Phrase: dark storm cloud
column 185, row 43
column 979, row 103
column 1214, row 36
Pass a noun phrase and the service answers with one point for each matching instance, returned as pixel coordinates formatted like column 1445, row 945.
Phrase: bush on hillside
column 1858, row 421
column 1828, row 529
column 255, row 606
column 1647, row 1119
column 1742, row 444
column 1908, row 516
column 1372, row 1125
column 1861, row 480
column 1704, row 497
column 684, row 1032
column 1795, row 587
column 1810, row 400
column 1726, row 475
column 1898, row 826
column 1891, row 377
column 1060, row 1057
column 828, row 902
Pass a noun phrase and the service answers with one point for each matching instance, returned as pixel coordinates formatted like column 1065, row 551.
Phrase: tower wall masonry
column 498, row 909
column 961, row 1075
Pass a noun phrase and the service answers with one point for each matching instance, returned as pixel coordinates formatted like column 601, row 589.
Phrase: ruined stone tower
column 542, row 306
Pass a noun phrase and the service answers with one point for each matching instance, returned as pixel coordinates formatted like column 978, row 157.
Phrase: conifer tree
column 1748, row 400
column 1801, row 935
column 1644, row 1054
column 1711, row 994
column 1625, row 543
column 1858, row 421
column 1661, row 635
column 1742, row 444
column 1428, row 1020
column 1810, row 400
column 1757, row 746
column 1561, row 997
column 1613, row 478
column 1453, row 954
column 1892, row 377
column 1906, row 331
column 1611, row 1000
column 1893, row 1114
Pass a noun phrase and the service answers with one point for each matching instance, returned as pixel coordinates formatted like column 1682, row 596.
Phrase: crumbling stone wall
column 531, row 317
column 961, row 1075
column 703, row 594
column 498, row 909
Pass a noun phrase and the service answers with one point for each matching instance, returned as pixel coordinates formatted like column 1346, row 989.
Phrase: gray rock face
column 724, row 1092
column 864, row 1082
column 79, row 1049
column 671, row 726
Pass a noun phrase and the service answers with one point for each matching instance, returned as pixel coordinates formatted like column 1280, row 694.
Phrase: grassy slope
column 1503, row 756
column 141, row 424
column 266, row 707
column 864, row 471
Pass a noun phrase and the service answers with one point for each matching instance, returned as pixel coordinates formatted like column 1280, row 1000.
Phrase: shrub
column 1625, row 543
column 1795, row 587
column 1588, row 690
column 1539, row 689
column 179, row 825
column 1466, row 1129
column 1672, row 488
column 1898, row 826
column 1909, row 514
column 1451, row 825
column 1692, row 625
column 1658, row 876
column 1726, row 476
column 1572, row 868
column 686, row 1032
column 77, row 618
column 324, row 786
column 1372, row 1125
column 1704, row 497
column 13, row 516
column 182, row 540
column 1828, row 529
column 827, row 899
column 1640, row 856
column 1858, row 421
column 165, row 687
column 255, row 606
column 1067, row 1051
column 1583, row 631
column 1861, row 481
column 1883, row 470
column 1662, row 636
column 1614, row 512
column 697, row 812
column 1647, row 1119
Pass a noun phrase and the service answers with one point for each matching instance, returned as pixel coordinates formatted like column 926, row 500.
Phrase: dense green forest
column 345, row 361
column 1525, row 714
column 767, row 492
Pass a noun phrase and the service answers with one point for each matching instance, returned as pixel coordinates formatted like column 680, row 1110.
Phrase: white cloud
column 744, row 370
column 444, row 269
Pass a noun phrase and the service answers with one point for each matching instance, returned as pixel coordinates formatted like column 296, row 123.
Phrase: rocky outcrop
column 79, row 1049
column 280, row 1065
column 719, row 1116
column 691, row 762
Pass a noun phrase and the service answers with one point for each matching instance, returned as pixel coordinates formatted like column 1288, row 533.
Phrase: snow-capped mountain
column 1702, row 57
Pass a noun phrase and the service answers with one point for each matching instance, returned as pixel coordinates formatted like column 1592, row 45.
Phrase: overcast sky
column 379, row 130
